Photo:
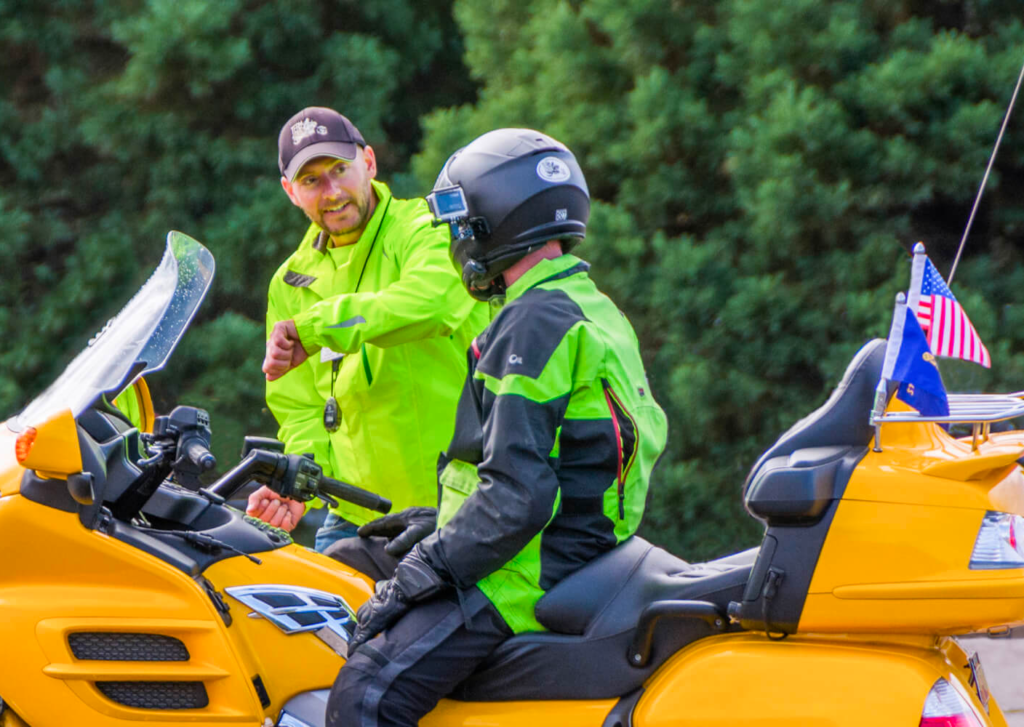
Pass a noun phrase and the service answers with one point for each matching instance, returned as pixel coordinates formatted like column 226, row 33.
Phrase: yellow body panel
column 59, row 577
column 747, row 679
column 897, row 555
column 899, row 472
column 287, row 664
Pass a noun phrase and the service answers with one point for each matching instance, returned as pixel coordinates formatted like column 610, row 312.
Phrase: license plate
column 978, row 680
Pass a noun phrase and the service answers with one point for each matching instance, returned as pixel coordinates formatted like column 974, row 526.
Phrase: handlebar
column 199, row 455
column 295, row 477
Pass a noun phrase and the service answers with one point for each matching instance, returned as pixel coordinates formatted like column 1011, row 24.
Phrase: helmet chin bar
column 465, row 230
column 474, row 277
column 484, row 278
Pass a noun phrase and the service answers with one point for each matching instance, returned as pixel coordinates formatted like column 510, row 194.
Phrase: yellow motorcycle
column 128, row 594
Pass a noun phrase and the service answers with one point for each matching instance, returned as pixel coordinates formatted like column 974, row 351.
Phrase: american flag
column 944, row 322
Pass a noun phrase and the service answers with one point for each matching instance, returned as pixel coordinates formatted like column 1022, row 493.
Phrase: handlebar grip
column 200, row 455
column 355, row 495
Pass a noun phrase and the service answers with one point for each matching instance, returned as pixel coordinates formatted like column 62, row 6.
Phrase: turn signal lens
column 23, row 444
column 1000, row 542
column 944, row 707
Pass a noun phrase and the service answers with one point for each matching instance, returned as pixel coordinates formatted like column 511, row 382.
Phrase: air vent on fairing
column 113, row 646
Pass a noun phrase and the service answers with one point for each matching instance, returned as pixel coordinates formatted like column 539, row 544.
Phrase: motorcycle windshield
column 137, row 341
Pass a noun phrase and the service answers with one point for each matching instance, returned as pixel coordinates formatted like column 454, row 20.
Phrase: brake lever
column 330, row 501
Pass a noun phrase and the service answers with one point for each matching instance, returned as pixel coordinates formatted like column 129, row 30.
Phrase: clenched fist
column 284, row 350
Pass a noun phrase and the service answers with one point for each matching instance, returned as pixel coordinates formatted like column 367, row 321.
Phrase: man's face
column 336, row 194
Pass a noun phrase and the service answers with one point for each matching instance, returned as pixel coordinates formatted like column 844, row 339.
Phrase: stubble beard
column 362, row 206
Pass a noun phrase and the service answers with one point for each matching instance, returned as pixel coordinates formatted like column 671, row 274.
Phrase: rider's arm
column 427, row 300
column 527, row 387
column 294, row 400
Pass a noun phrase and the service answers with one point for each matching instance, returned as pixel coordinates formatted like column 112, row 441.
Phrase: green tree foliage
column 761, row 170
column 122, row 119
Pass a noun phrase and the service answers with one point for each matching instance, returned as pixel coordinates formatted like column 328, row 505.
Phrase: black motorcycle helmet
column 504, row 195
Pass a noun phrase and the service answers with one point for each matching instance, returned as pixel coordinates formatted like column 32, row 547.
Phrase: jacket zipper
column 618, row 448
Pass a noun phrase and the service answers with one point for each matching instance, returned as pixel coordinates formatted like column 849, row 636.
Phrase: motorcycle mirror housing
column 51, row 448
column 136, row 403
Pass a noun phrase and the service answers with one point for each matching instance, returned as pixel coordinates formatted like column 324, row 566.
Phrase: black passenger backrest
column 842, row 421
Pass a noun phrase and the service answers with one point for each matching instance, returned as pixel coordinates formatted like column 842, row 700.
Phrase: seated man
column 556, row 435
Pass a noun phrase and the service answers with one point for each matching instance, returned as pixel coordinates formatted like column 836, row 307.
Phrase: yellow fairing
column 744, row 679
column 287, row 664
column 59, row 578
column 897, row 554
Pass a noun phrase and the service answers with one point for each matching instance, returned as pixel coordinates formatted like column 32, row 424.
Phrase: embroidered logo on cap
column 305, row 129
column 561, row 215
column 553, row 169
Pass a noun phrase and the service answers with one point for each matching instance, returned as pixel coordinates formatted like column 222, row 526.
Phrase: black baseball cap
column 315, row 132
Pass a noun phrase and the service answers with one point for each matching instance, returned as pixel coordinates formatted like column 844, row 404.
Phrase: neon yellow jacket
column 404, row 333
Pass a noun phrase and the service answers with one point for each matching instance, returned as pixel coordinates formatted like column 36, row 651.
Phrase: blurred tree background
column 760, row 171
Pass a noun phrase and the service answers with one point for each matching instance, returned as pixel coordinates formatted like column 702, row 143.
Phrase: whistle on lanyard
column 332, row 417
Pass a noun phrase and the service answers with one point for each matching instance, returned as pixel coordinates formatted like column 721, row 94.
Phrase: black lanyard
column 332, row 415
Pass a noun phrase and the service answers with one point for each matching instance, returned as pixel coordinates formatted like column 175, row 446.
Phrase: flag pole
column 892, row 352
column 916, row 276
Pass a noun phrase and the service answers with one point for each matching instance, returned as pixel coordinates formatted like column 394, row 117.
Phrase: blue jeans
column 333, row 530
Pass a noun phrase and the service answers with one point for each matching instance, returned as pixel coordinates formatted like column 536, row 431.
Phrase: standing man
column 555, row 437
column 370, row 324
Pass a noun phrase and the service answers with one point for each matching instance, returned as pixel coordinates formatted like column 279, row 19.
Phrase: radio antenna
column 984, row 180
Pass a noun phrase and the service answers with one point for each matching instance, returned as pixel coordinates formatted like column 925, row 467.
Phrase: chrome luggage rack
column 981, row 410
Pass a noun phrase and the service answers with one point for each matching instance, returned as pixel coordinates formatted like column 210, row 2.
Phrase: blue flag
column 917, row 371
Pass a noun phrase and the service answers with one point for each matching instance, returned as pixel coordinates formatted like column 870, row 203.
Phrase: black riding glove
column 402, row 529
column 414, row 581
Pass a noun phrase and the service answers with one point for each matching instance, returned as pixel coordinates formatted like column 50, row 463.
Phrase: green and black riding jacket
column 556, row 435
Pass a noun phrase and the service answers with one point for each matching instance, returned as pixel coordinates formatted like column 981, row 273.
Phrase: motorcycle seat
column 592, row 615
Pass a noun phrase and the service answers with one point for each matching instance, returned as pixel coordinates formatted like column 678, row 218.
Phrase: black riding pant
column 401, row 674
column 365, row 555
